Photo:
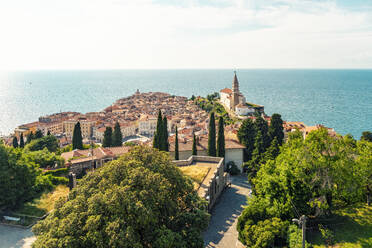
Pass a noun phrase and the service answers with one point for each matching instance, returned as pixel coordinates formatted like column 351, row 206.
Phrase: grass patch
column 45, row 203
column 196, row 173
column 353, row 228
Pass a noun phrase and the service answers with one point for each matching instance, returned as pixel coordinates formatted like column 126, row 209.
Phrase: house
column 80, row 160
column 233, row 149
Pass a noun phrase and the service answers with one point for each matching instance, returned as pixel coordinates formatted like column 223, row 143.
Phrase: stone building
column 233, row 150
column 79, row 160
column 232, row 97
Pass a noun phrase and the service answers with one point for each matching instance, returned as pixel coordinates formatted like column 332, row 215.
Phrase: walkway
column 222, row 231
column 15, row 237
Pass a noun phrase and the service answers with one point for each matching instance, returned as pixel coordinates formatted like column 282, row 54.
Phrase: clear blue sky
column 113, row 34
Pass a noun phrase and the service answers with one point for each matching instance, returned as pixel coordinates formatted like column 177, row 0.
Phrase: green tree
column 246, row 135
column 139, row 200
column 38, row 134
column 276, row 128
column 261, row 126
column 42, row 158
column 176, row 152
column 77, row 138
column 364, row 168
column 158, row 132
column 48, row 133
column 117, row 138
column 254, row 164
column 221, row 138
column 273, row 151
column 30, row 137
column 194, row 149
column 21, row 141
column 212, row 136
column 367, row 135
column 308, row 176
column 107, row 137
column 17, row 179
column 15, row 142
column 50, row 142
column 164, row 135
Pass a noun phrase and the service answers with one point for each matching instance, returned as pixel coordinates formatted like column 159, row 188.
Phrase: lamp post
column 302, row 222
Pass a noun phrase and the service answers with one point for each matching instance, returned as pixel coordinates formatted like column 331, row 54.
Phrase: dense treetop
column 139, row 200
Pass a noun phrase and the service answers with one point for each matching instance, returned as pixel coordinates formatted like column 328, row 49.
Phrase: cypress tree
column 158, row 132
column 221, row 138
column 15, row 142
column 212, row 136
column 30, row 137
column 21, row 141
column 77, row 139
column 107, row 137
column 176, row 152
column 194, row 149
column 276, row 128
column 48, row 132
column 117, row 138
column 38, row 134
column 164, row 140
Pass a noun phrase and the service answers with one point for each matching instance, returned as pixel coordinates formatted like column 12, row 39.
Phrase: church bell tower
column 235, row 93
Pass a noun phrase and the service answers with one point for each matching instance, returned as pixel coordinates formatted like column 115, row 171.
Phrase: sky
column 167, row 34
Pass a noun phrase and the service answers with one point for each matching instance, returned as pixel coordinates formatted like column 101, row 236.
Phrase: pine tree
column 21, row 141
column 164, row 140
column 276, row 128
column 273, row 151
column 176, row 152
column 257, row 158
column 194, row 149
column 39, row 134
column 117, row 136
column 261, row 126
column 246, row 134
column 77, row 139
column 15, row 142
column 48, row 132
column 212, row 136
column 107, row 137
column 221, row 138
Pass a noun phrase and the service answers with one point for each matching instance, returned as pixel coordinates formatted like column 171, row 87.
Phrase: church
column 234, row 100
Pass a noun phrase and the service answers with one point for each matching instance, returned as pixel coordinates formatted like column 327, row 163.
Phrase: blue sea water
column 341, row 99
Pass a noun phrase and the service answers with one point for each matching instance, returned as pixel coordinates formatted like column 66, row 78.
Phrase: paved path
column 14, row 237
column 222, row 231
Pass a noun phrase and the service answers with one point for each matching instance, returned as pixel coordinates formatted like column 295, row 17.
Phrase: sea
column 340, row 99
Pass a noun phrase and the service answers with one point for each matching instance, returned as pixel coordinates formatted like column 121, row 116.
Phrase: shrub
column 58, row 172
column 267, row 233
column 294, row 238
column 327, row 235
column 59, row 180
column 232, row 168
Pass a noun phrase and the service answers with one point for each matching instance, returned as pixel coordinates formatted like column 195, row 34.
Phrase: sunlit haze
column 123, row 34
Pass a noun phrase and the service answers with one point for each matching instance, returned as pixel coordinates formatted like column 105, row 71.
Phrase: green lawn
column 196, row 173
column 45, row 203
column 354, row 228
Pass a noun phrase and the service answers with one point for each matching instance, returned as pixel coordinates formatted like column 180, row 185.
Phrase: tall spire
column 235, row 84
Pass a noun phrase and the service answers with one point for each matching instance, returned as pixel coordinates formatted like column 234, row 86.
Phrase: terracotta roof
column 226, row 90
column 98, row 153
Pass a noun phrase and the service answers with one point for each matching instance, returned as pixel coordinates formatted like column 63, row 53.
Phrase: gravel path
column 222, row 231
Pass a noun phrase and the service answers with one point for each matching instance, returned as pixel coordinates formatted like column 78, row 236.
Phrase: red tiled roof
column 226, row 90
